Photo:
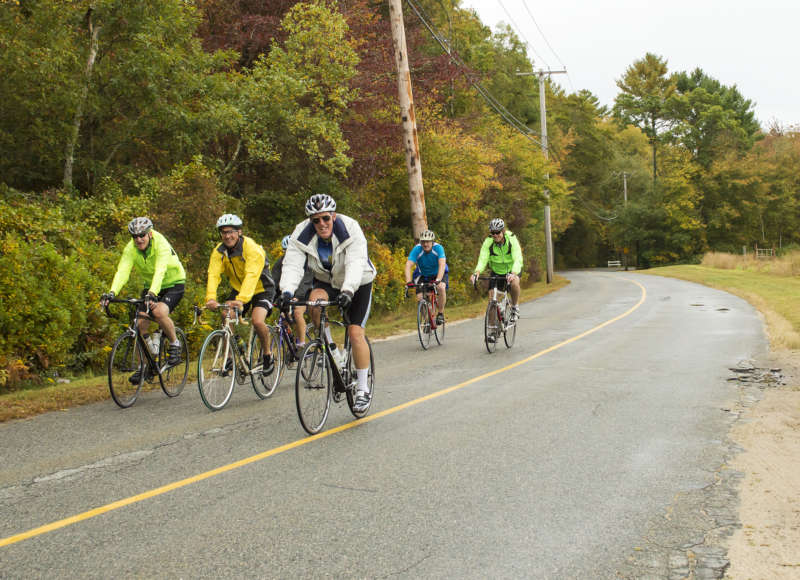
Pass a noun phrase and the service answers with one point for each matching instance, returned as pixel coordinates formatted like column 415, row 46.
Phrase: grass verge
column 61, row 396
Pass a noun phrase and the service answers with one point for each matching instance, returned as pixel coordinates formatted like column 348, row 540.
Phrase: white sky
column 753, row 45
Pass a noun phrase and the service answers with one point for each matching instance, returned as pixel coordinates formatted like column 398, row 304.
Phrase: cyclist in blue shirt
column 431, row 265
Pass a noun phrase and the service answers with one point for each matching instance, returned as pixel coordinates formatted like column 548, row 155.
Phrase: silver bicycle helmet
column 139, row 226
column 319, row 203
column 229, row 220
column 427, row 236
column 496, row 225
column 285, row 242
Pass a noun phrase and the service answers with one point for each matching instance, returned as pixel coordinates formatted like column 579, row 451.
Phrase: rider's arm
column 516, row 255
column 163, row 252
column 439, row 250
column 355, row 259
column 409, row 267
column 214, row 275
column 255, row 264
column 483, row 258
column 293, row 263
column 124, row 268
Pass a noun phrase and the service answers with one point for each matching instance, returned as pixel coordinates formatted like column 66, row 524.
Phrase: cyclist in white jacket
column 335, row 249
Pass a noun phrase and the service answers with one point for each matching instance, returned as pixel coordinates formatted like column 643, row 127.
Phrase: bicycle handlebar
column 129, row 301
column 323, row 304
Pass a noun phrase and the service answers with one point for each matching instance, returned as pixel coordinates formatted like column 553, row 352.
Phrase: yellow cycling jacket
column 246, row 266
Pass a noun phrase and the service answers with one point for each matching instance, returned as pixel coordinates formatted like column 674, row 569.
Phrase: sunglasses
column 495, row 233
column 228, row 232
column 324, row 218
column 137, row 236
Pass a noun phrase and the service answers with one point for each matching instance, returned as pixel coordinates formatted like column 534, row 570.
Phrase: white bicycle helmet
column 318, row 203
column 427, row 236
column 230, row 220
column 285, row 242
column 139, row 226
column 496, row 225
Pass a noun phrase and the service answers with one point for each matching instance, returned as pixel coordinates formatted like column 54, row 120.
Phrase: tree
column 646, row 88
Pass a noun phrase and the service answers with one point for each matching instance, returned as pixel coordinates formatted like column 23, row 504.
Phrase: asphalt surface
column 555, row 468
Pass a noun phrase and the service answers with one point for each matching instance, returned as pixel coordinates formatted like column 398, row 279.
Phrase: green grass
column 61, row 396
column 776, row 296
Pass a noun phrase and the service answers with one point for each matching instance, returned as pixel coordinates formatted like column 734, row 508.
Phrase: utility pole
column 548, row 237
column 419, row 219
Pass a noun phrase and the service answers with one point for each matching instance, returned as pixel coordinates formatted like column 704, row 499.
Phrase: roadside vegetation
column 770, row 285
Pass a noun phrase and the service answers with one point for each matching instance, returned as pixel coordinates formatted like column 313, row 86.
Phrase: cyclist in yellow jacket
column 153, row 257
column 245, row 264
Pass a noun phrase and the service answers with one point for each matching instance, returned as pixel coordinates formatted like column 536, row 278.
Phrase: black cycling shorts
column 170, row 296
column 358, row 313
column 261, row 299
column 499, row 283
column 423, row 279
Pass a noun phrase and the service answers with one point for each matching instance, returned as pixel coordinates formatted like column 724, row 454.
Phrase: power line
column 522, row 35
column 541, row 32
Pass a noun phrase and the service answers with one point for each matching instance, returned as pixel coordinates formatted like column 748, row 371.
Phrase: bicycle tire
column 313, row 387
column 509, row 334
column 126, row 358
column 216, row 370
column 173, row 378
column 351, row 395
column 490, row 327
column 438, row 332
column 265, row 385
column 423, row 324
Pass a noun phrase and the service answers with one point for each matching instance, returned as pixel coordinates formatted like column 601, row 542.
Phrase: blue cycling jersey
column 427, row 262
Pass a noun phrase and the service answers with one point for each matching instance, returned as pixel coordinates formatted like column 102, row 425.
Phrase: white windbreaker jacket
column 351, row 266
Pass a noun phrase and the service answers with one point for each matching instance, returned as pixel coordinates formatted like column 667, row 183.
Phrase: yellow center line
column 277, row 450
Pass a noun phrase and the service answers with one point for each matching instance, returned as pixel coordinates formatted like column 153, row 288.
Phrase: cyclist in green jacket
column 502, row 253
column 153, row 257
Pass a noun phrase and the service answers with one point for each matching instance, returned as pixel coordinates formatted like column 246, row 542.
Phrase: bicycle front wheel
column 351, row 391
column 423, row 324
column 313, row 387
column 173, row 378
column 509, row 329
column 216, row 370
column 125, row 362
column 490, row 327
column 439, row 333
column 264, row 384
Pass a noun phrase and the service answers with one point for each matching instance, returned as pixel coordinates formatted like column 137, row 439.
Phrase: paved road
column 554, row 468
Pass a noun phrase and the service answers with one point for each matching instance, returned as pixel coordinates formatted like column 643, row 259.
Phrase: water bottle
column 338, row 356
column 153, row 342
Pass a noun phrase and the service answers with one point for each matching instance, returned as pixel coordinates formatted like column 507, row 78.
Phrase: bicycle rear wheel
column 173, row 378
column 423, row 324
column 126, row 358
column 313, row 387
column 509, row 332
column 351, row 391
column 490, row 322
column 264, row 384
column 216, row 370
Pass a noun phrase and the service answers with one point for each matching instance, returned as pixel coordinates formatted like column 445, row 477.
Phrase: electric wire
column 541, row 32
column 521, row 34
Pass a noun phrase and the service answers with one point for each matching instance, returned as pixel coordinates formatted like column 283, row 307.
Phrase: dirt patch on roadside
column 767, row 545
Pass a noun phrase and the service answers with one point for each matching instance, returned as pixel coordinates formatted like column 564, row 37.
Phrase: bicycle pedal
column 338, row 396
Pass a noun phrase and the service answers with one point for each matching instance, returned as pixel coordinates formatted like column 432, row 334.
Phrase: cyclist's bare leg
column 359, row 344
column 441, row 298
column 160, row 313
column 316, row 294
column 514, row 291
column 258, row 318
column 300, row 321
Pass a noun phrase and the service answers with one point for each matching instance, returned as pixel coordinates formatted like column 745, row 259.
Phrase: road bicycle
column 498, row 319
column 321, row 379
column 290, row 352
column 225, row 359
column 426, row 314
column 135, row 360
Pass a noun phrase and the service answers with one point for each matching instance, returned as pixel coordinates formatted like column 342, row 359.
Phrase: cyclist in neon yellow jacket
column 245, row 264
column 503, row 254
column 153, row 257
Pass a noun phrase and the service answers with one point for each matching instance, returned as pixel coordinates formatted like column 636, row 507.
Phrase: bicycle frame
column 341, row 381
column 228, row 325
column 136, row 313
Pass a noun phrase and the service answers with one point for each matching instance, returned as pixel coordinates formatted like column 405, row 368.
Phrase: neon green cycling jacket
column 158, row 262
column 503, row 259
